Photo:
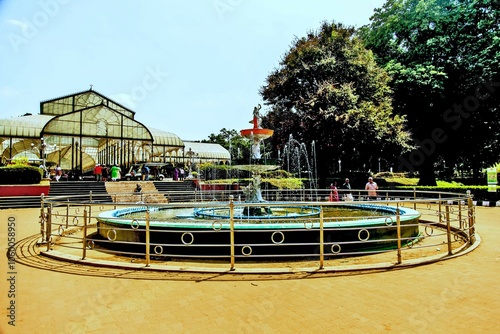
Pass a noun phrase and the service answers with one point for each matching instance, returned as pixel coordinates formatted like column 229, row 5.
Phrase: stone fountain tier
column 253, row 191
column 257, row 133
column 256, row 169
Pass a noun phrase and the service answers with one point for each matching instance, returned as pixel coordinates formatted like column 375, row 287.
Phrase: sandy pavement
column 458, row 295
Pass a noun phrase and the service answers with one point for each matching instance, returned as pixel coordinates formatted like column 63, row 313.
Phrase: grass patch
column 407, row 181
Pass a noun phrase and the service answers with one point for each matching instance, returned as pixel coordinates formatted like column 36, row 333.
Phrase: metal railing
column 75, row 228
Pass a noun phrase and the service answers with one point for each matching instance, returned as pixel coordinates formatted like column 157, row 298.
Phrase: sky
column 190, row 68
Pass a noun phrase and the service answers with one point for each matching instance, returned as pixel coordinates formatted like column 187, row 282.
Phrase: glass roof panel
column 207, row 150
column 99, row 121
column 29, row 126
column 80, row 101
column 163, row 138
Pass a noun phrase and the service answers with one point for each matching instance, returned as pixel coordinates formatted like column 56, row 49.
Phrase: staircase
column 72, row 190
column 176, row 191
column 16, row 202
column 80, row 191
column 152, row 192
column 125, row 192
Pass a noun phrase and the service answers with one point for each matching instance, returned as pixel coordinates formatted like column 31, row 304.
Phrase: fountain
column 296, row 157
column 259, row 227
column 253, row 192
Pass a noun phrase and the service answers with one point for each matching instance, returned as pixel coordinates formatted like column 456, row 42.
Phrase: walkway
column 453, row 296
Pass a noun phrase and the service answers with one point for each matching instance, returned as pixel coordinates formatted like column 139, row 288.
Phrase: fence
column 395, row 228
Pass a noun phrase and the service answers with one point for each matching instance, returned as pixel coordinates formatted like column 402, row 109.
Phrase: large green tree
column 442, row 56
column 329, row 89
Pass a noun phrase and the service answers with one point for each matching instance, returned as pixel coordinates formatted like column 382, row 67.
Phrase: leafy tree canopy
column 442, row 56
column 329, row 89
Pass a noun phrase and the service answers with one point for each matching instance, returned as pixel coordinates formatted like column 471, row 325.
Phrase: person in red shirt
column 98, row 172
column 334, row 194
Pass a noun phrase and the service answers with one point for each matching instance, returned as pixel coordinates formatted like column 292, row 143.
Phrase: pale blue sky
column 187, row 67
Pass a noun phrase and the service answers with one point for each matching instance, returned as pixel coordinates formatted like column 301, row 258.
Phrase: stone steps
column 177, row 191
column 125, row 192
column 13, row 202
column 99, row 191
column 80, row 190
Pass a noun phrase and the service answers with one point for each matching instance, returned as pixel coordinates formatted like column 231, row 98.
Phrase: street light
column 191, row 154
column 43, row 145
column 340, row 165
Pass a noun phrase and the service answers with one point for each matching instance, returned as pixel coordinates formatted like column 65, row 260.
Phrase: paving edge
column 383, row 266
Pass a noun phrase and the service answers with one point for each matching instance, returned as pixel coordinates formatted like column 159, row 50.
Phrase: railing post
column 67, row 213
column 43, row 218
column 470, row 205
column 148, row 241
column 460, row 214
column 90, row 196
column 84, row 248
column 448, row 229
column 231, row 230
column 89, row 214
column 440, row 212
column 398, row 229
column 48, row 227
column 415, row 198
column 321, row 240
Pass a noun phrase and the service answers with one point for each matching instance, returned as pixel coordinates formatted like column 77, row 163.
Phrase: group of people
column 179, row 174
column 371, row 187
column 103, row 172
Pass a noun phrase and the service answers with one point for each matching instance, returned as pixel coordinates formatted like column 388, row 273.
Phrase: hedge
column 20, row 175
column 479, row 193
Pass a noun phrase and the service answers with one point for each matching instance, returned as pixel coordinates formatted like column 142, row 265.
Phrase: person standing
column 145, row 173
column 105, row 172
column 334, row 194
column 58, row 172
column 372, row 187
column 347, row 187
column 176, row 174
column 115, row 173
column 98, row 172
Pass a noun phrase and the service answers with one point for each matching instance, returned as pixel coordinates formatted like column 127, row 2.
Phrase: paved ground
column 458, row 295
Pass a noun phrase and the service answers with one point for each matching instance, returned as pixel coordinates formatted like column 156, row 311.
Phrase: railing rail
column 447, row 220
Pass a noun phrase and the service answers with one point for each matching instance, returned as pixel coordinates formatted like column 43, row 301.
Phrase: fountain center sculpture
column 256, row 134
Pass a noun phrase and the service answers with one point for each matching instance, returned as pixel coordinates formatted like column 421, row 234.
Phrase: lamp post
column 340, row 165
column 379, row 165
column 41, row 149
column 190, row 153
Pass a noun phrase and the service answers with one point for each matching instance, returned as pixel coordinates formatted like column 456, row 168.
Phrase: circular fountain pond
column 260, row 231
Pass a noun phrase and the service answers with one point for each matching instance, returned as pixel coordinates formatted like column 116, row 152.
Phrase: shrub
column 479, row 193
column 20, row 174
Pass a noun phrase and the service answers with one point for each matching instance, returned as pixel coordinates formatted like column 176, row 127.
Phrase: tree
column 238, row 146
column 442, row 57
column 328, row 89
